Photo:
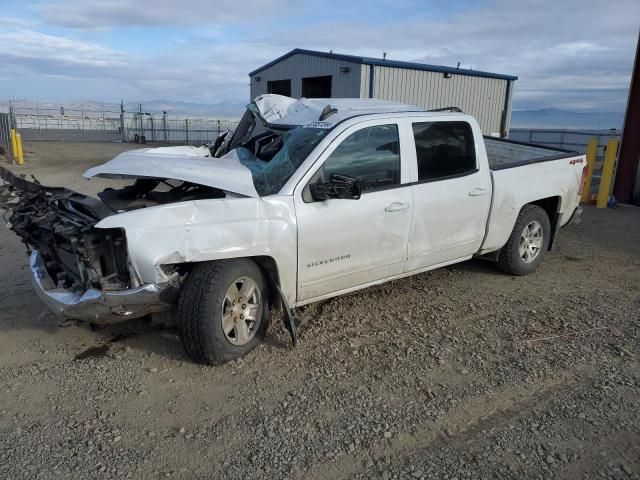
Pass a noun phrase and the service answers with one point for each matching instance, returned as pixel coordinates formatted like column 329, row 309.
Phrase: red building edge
column 627, row 184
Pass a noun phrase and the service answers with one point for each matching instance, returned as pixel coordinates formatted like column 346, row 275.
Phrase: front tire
column 528, row 242
column 223, row 310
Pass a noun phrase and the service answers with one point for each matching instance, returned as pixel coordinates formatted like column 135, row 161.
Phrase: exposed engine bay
column 59, row 223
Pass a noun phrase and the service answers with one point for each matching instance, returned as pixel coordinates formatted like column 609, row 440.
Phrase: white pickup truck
column 308, row 199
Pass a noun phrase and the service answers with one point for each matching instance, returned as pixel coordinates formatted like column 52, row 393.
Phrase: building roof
column 385, row 63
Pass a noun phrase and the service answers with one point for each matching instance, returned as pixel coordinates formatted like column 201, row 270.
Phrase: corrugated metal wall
column 343, row 85
column 484, row 98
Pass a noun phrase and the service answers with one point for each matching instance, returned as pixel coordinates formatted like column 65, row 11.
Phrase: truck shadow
column 477, row 265
column 139, row 334
column 144, row 336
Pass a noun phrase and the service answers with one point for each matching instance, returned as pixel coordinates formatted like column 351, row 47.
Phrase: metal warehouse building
column 311, row 74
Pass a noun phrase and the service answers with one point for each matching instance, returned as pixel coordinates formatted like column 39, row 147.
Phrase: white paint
column 373, row 231
column 326, row 248
column 281, row 110
column 186, row 150
column 450, row 215
column 204, row 230
column 226, row 173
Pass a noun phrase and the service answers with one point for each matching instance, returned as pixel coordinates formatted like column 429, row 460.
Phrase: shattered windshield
column 295, row 145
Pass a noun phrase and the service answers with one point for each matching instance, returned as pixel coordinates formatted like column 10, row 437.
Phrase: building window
column 279, row 87
column 316, row 87
column 444, row 149
column 372, row 155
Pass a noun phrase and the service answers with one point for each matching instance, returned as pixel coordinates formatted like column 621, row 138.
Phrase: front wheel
column 223, row 310
column 529, row 239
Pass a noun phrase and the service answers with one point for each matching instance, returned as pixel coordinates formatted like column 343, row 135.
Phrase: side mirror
column 338, row 186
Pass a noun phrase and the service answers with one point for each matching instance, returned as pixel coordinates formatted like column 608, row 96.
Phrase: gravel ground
column 463, row 372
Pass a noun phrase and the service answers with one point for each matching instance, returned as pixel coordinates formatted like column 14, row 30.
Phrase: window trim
column 447, row 177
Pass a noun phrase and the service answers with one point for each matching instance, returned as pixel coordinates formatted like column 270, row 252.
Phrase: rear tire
column 216, row 323
column 529, row 240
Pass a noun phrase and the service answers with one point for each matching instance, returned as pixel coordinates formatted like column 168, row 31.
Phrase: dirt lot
column 463, row 372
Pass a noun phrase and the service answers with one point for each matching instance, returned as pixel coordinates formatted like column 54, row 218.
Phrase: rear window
column 444, row 149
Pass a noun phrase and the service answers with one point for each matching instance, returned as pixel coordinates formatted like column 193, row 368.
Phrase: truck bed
column 541, row 173
column 508, row 154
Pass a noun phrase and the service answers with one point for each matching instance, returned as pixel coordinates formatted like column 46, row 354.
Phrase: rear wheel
column 223, row 310
column 529, row 239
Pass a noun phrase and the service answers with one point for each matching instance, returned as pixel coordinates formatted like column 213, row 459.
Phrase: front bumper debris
column 100, row 306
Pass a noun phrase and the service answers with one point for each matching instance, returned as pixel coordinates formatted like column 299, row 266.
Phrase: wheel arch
column 551, row 205
column 268, row 266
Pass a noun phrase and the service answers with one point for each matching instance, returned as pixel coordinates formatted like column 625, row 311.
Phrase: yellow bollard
column 14, row 144
column 606, row 177
column 592, row 150
column 20, row 157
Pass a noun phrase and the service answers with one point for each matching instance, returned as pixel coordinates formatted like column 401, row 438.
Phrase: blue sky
column 569, row 54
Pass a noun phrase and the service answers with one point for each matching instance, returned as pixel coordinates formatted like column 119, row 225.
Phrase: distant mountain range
column 555, row 118
column 546, row 118
column 188, row 108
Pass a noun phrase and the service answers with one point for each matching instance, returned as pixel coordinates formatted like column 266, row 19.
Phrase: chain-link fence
column 569, row 140
column 566, row 139
column 170, row 129
column 111, row 122
column 6, row 147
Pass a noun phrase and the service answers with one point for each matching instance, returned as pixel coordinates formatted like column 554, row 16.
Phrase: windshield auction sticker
column 319, row 124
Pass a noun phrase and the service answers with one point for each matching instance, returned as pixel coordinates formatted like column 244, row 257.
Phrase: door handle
column 478, row 191
column 396, row 207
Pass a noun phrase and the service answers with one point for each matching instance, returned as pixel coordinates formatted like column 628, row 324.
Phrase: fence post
column 607, row 173
column 122, row 133
column 14, row 143
column 20, row 157
column 140, row 126
column 164, row 125
column 6, row 139
column 592, row 150
column 186, row 131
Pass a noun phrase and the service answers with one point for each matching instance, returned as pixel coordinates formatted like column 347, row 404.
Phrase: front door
column 346, row 243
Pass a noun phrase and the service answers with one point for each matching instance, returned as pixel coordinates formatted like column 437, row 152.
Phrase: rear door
column 344, row 243
column 452, row 196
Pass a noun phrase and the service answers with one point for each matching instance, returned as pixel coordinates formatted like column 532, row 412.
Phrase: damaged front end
column 79, row 271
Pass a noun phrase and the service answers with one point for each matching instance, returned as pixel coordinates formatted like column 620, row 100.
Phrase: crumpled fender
column 213, row 229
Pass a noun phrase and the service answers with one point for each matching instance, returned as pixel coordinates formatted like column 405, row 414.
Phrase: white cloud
column 571, row 54
column 36, row 49
column 552, row 46
column 95, row 14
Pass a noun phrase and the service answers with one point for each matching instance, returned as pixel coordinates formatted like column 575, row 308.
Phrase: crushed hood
column 188, row 164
